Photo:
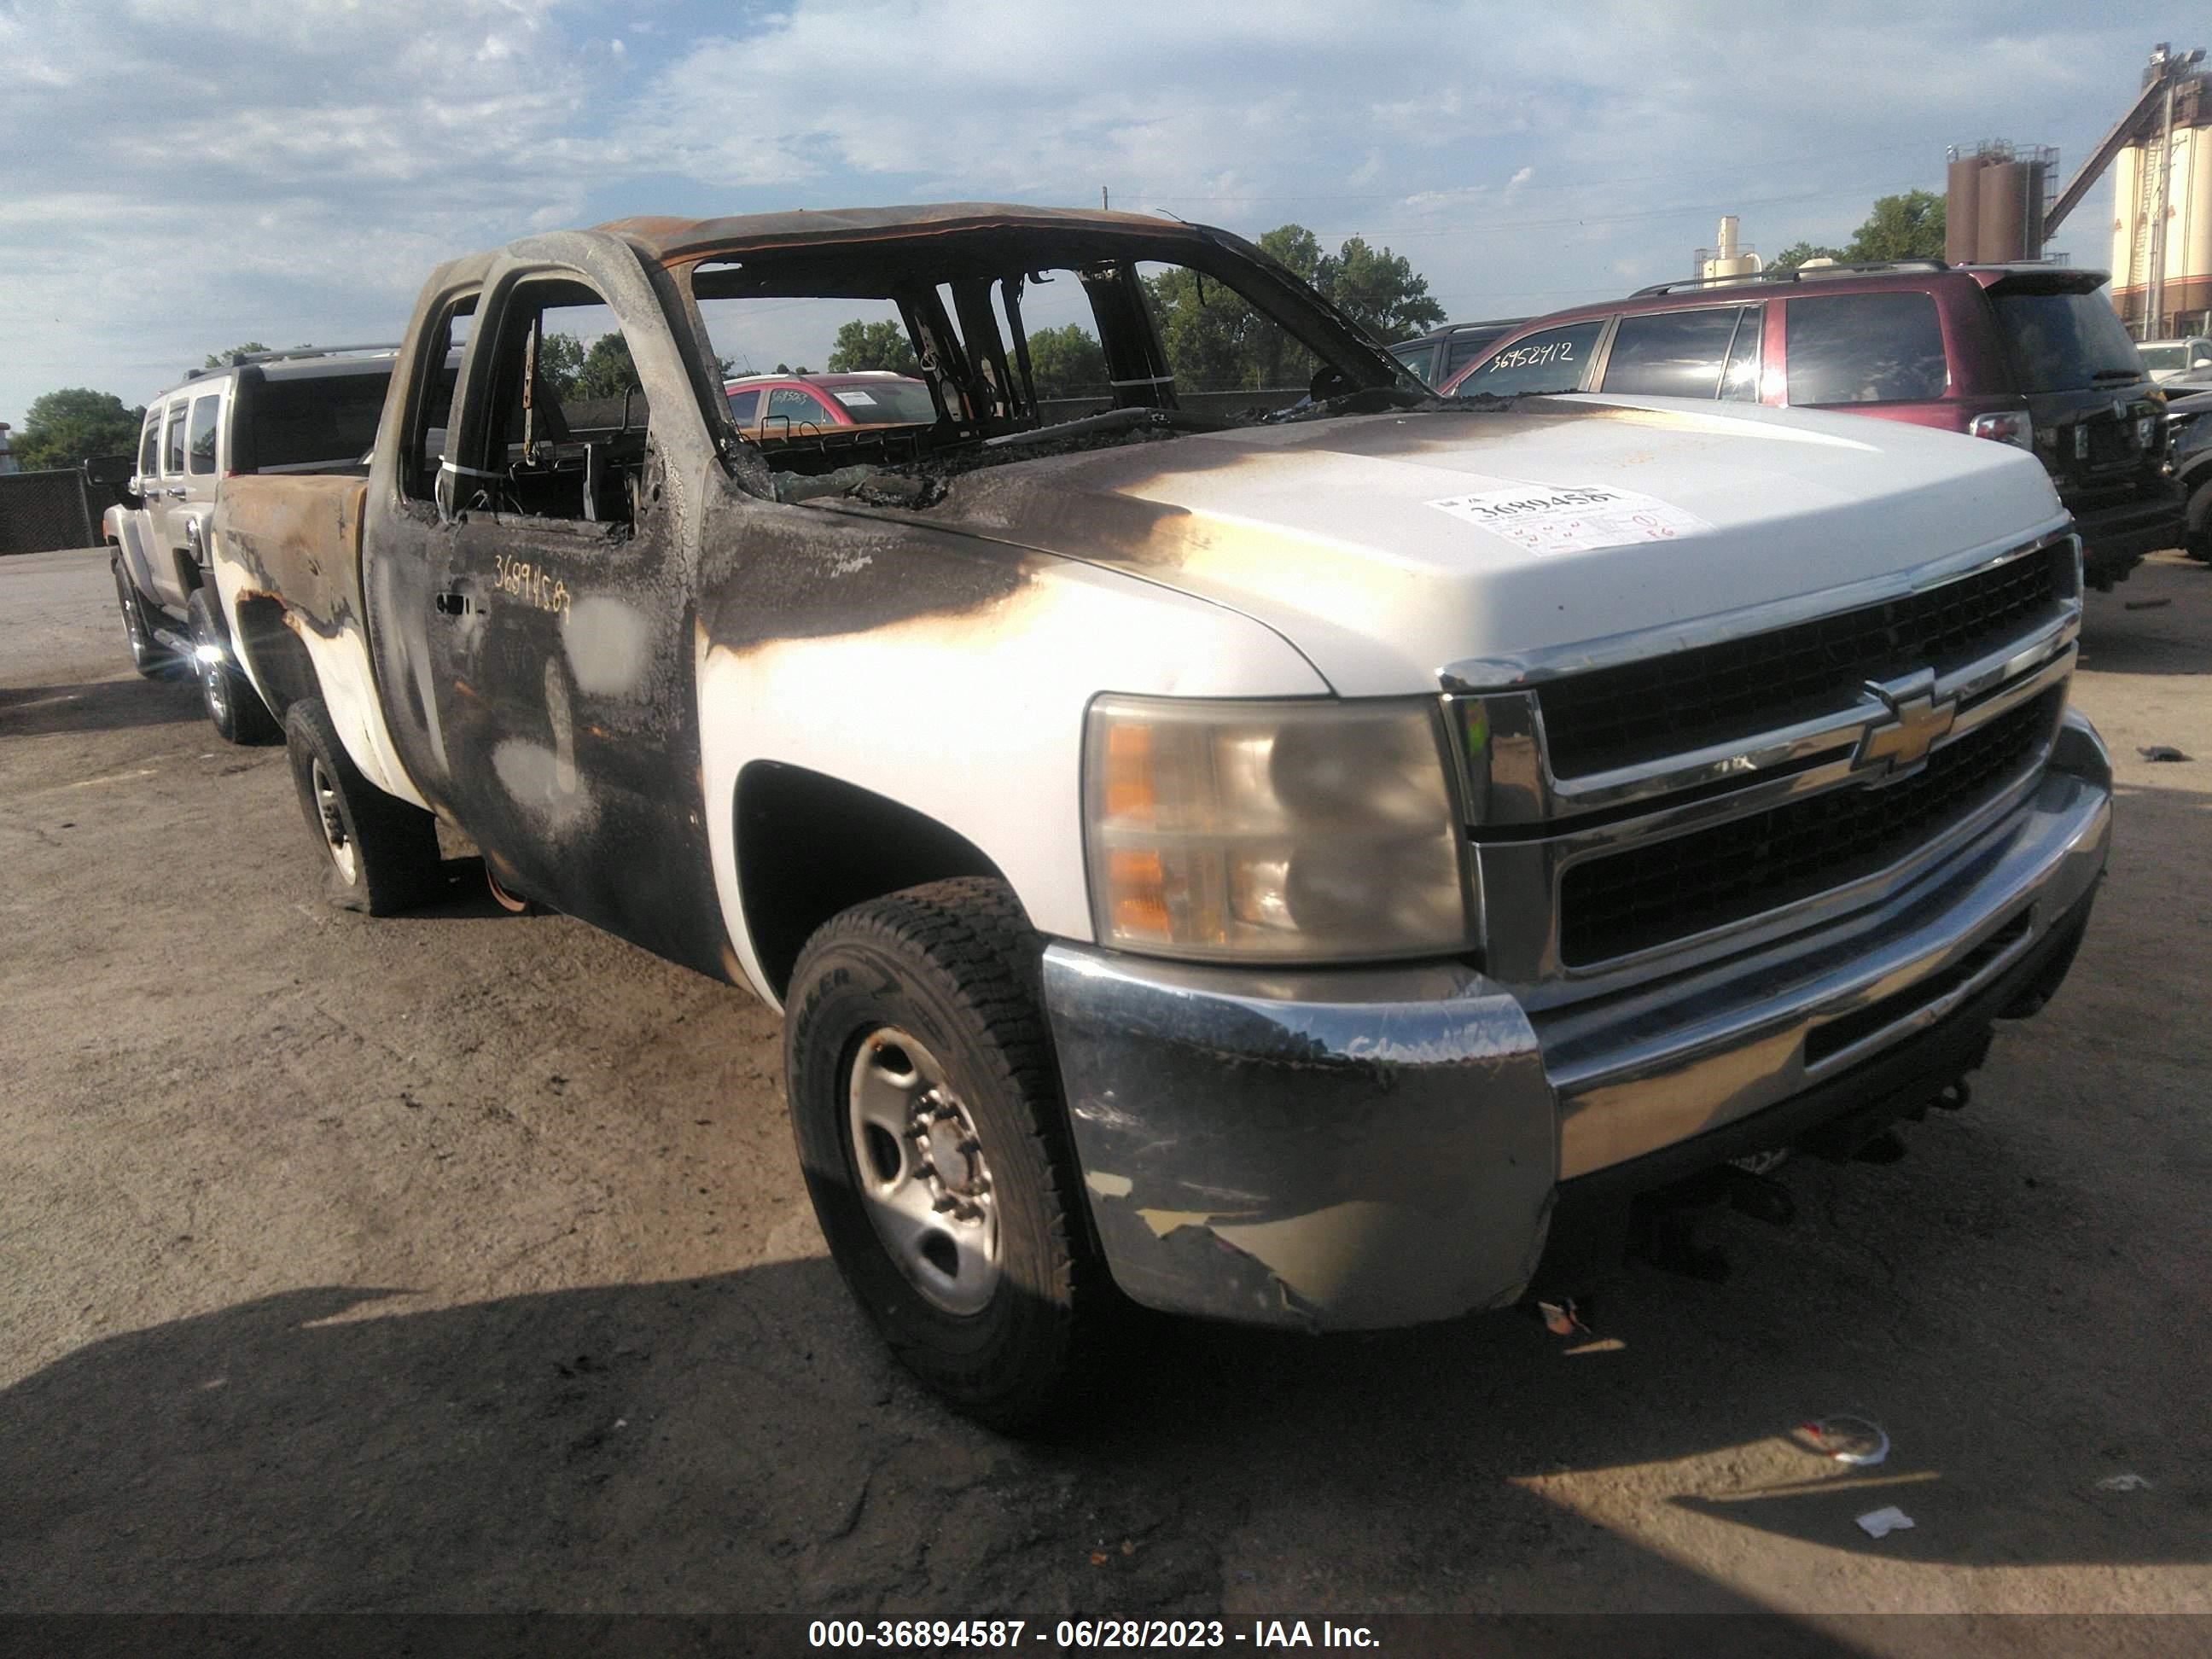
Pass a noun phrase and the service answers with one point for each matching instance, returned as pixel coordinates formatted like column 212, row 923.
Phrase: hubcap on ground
column 334, row 829
column 920, row 1169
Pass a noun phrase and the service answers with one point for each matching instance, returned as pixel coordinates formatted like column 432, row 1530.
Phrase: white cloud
column 1517, row 158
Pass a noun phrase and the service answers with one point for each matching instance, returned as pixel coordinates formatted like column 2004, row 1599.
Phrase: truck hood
column 1355, row 539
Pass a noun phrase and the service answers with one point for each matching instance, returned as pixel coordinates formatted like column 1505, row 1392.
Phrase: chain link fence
column 39, row 511
column 42, row 511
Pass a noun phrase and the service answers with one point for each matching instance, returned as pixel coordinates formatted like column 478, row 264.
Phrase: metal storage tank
column 2185, row 268
column 2127, row 179
column 1961, row 208
column 2001, row 213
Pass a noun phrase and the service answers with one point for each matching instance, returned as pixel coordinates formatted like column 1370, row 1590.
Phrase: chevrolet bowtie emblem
column 1895, row 744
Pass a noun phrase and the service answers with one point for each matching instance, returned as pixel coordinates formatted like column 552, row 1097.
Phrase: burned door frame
column 538, row 669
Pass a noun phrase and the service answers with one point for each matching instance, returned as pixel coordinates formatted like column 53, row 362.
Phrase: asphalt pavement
column 461, row 1261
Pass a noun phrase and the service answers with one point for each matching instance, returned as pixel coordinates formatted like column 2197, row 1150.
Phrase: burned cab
column 1230, row 832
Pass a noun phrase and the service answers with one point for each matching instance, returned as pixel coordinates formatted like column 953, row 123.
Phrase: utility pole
column 1105, row 206
column 2155, row 298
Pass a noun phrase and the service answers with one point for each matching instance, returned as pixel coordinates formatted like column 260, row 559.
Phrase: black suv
column 1440, row 353
column 2027, row 355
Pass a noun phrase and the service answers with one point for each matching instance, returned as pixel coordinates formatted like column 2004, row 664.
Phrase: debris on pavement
column 2145, row 605
column 2123, row 1482
column 2161, row 751
column 1880, row 1523
column 1849, row 1438
column 1561, row 1319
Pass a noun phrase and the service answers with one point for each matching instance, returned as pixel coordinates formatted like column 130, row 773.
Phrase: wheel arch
column 810, row 846
column 282, row 669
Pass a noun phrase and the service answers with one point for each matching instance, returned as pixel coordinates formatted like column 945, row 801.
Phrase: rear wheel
column 148, row 655
column 234, row 708
column 381, row 852
column 926, row 1102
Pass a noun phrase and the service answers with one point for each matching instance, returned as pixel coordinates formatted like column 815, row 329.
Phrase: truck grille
column 1652, row 894
column 1672, row 705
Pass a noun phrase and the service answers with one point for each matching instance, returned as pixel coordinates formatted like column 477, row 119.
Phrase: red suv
column 2027, row 355
column 789, row 405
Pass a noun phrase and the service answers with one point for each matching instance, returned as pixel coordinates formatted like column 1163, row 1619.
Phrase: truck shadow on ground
column 98, row 706
column 732, row 1444
column 742, row 1441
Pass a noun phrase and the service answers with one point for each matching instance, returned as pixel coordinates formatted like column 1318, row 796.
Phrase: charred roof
column 682, row 241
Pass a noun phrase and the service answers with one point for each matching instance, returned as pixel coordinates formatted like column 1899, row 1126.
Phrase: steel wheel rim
column 918, row 1168
column 333, row 821
column 211, row 686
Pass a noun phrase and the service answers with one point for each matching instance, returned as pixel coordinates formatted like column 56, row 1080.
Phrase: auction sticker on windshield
column 1548, row 520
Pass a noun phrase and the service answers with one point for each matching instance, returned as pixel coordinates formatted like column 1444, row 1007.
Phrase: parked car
column 2189, row 440
column 2031, row 355
column 271, row 411
column 1440, row 353
column 2167, row 360
column 789, row 405
column 1320, row 869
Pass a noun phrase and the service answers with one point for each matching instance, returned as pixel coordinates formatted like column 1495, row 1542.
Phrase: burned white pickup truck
column 1318, row 865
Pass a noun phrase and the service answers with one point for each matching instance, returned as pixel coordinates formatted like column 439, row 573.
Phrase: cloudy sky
column 181, row 176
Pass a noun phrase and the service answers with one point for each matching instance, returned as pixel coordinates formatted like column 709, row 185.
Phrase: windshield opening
column 979, row 353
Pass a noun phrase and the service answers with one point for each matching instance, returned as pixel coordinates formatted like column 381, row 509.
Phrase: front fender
column 945, row 673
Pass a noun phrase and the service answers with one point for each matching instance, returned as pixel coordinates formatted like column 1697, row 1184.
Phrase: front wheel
column 2196, row 542
column 148, row 655
column 926, row 1102
column 234, row 708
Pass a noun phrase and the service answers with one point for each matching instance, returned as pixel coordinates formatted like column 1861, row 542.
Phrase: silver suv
column 308, row 410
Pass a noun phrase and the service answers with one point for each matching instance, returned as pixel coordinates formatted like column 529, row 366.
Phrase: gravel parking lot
column 462, row 1261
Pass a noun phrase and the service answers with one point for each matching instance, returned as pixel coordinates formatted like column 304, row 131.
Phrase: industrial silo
column 1961, row 198
column 2162, row 216
column 2001, row 214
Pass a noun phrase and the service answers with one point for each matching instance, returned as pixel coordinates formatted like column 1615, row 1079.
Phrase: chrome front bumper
column 1358, row 1149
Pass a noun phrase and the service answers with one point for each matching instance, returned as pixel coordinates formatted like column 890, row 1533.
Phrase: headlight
column 1277, row 830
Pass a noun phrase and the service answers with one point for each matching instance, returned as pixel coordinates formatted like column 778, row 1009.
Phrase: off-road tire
column 234, row 708
column 394, row 863
column 957, row 964
column 148, row 655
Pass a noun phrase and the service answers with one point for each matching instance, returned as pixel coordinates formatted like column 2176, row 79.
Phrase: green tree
column 1380, row 289
column 1066, row 362
column 1907, row 227
column 560, row 361
column 221, row 359
column 66, row 427
column 863, row 345
column 1797, row 252
column 606, row 370
column 1293, row 245
column 1216, row 342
